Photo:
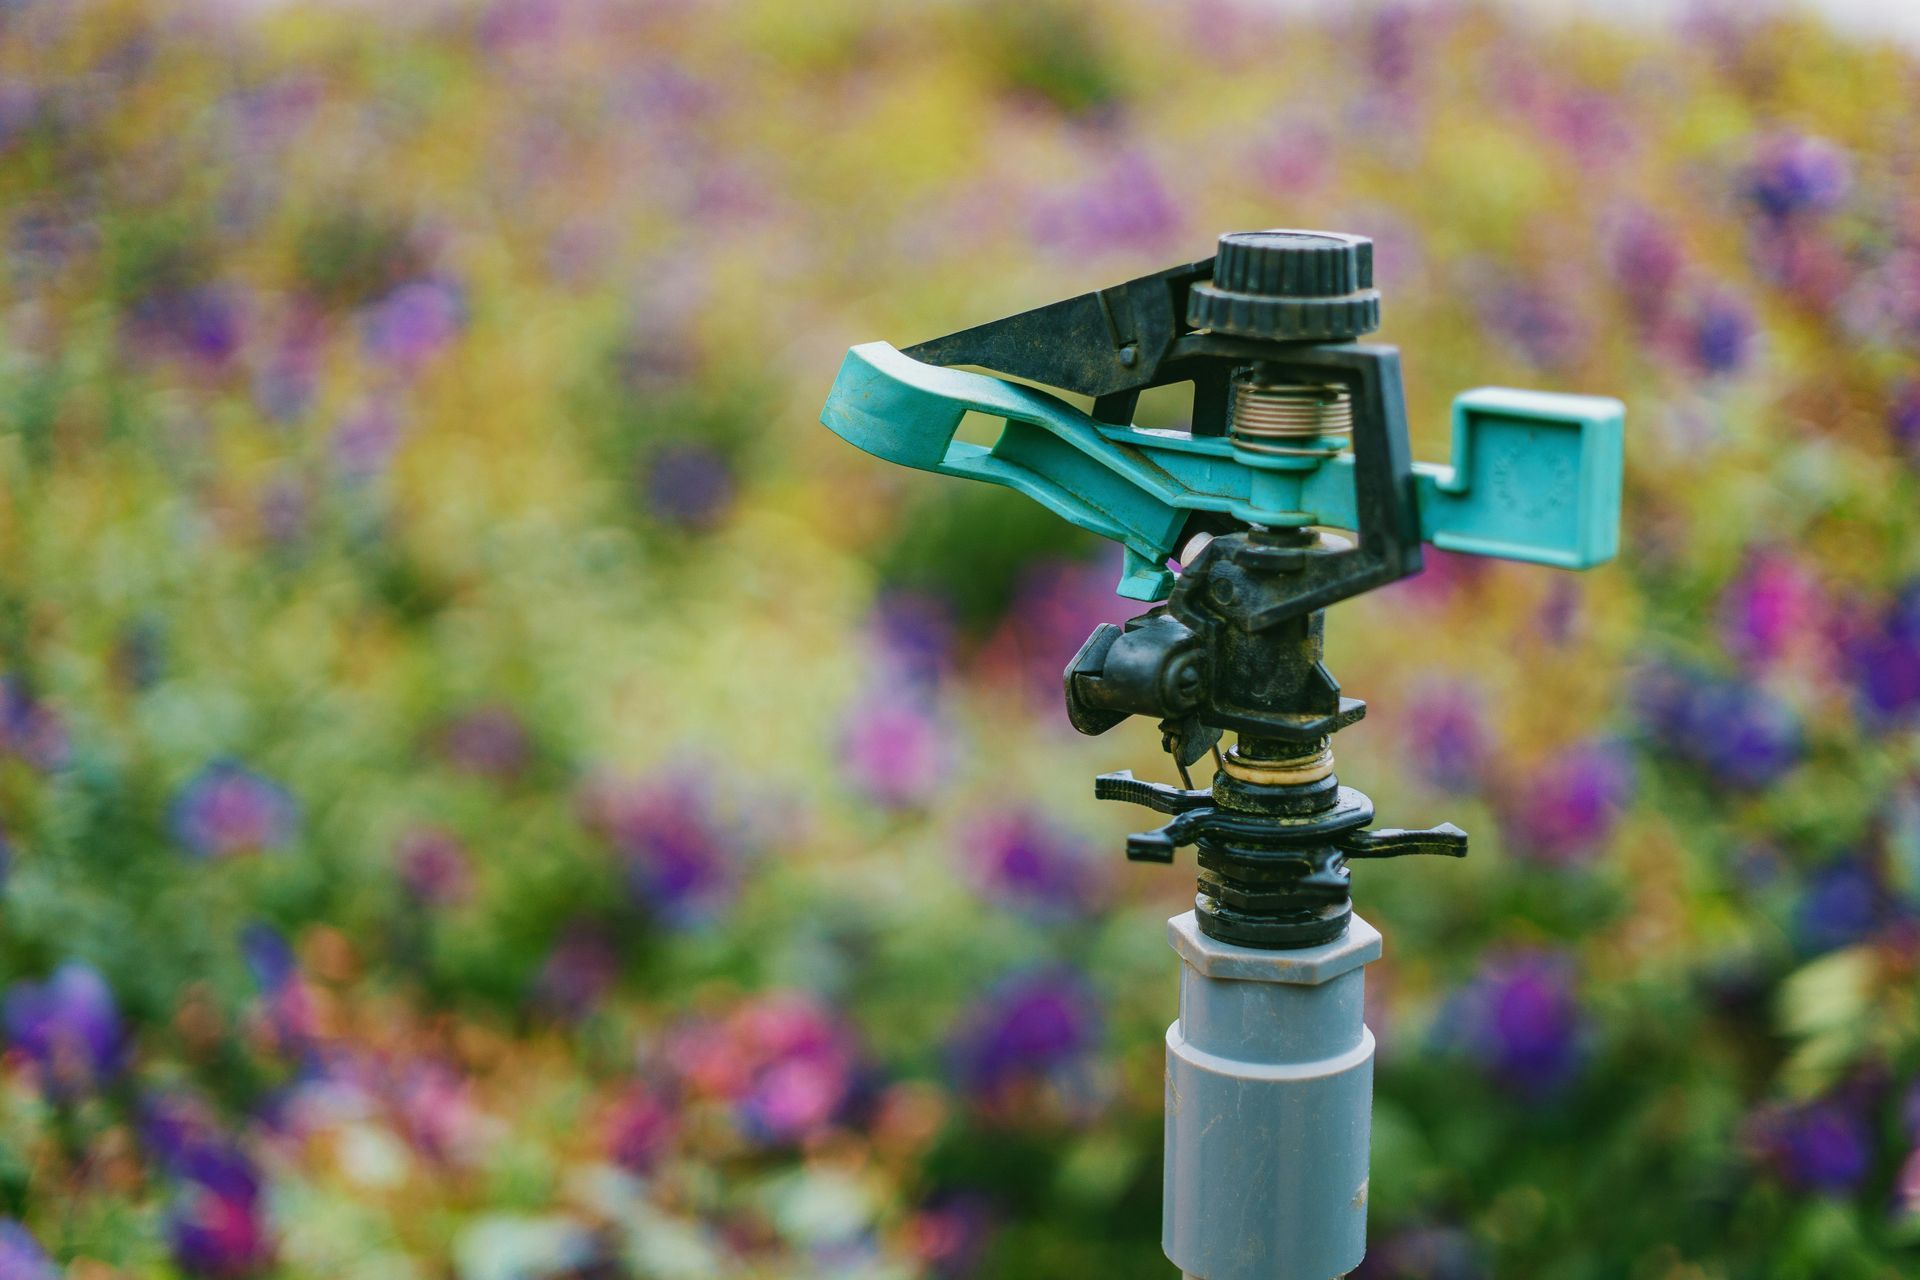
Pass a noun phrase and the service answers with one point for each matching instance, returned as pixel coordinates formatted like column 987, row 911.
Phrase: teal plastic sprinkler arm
column 1535, row 477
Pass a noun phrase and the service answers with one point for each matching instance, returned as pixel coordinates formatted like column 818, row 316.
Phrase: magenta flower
column 435, row 867
column 488, row 741
column 1774, row 603
column 894, row 750
column 68, row 1027
column 783, row 1062
column 1445, row 576
column 1906, row 1187
column 435, row 1106
column 21, row 1257
column 640, row 1129
column 1020, row 860
column 1647, row 262
column 1563, row 810
column 228, row 810
column 1519, row 1021
column 950, row 1234
column 579, row 971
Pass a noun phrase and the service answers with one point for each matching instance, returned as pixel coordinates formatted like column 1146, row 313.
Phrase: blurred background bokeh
column 490, row 789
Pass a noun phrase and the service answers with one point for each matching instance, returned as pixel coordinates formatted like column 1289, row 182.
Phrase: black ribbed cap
column 1289, row 285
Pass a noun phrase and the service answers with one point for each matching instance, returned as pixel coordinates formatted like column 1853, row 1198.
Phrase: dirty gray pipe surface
column 1269, row 1108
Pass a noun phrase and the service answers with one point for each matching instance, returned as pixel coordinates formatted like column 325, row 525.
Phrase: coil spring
column 1288, row 418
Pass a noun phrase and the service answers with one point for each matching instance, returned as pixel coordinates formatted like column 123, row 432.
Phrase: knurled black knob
column 1290, row 286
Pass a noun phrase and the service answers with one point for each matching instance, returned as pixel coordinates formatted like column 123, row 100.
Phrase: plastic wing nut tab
column 1535, row 476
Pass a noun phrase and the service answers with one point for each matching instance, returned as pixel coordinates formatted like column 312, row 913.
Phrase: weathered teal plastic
column 1536, row 476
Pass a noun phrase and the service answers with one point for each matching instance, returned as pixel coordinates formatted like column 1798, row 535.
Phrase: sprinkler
column 1297, row 430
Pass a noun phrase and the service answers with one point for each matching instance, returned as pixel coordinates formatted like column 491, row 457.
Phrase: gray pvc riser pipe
column 1269, row 1108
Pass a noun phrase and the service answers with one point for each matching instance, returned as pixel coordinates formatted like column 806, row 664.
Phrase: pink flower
column 894, row 751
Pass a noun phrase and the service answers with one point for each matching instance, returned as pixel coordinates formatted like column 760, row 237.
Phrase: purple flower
column 217, row 1224
column 1563, row 811
column 578, row 973
column 1822, row 1147
column 1444, row 734
column 911, row 634
column 283, row 509
column 1393, row 45
column 21, row 1257
column 1741, row 735
column 1844, row 903
column 68, row 1027
column 489, row 741
column 1903, row 419
column 173, row 1125
column 29, row 728
column 1883, row 305
column 414, row 322
column 1031, row 1031
column 1533, row 319
column 286, row 1013
column 689, row 485
column 227, row 810
column 1124, row 207
column 1774, row 603
column 435, row 868
column 202, row 323
column 1793, row 174
column 268, row 957
column 894, row 751
column 1882, row 654
column 1055, row 607
column 1647, row 261
column 1424, row 1253
column 364, row 442
column 1022, row 861
column 216, row 1221
column 1519, row 1021
column 682, row 858
column 1720, row 336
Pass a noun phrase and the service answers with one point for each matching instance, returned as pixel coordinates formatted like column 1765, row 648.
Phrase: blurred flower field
column 489, row 788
